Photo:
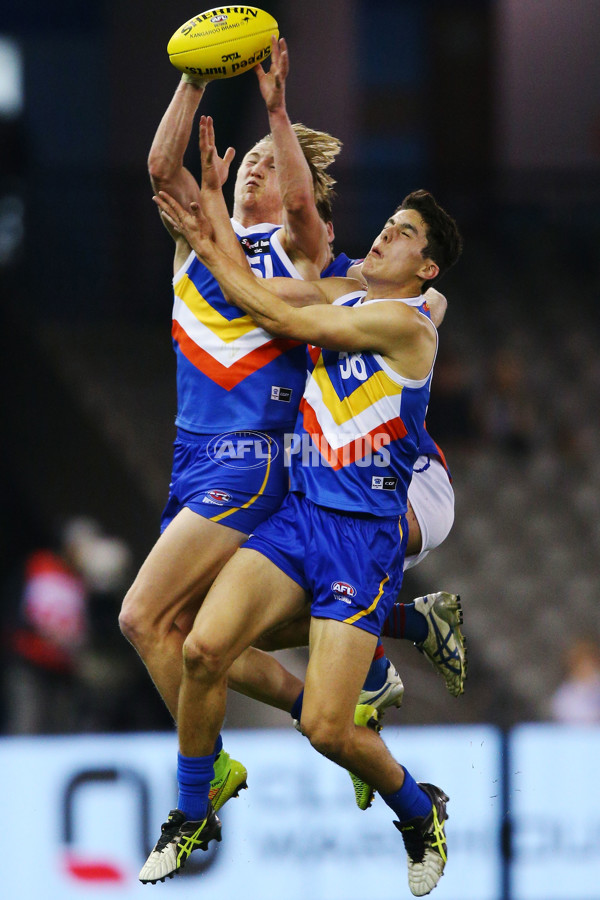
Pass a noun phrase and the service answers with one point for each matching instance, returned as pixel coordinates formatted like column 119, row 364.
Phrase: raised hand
column 215, row 169
column 192, row 223
column 272, row 83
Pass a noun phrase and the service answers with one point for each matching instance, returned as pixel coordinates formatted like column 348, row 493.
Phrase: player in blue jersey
column 211, row 507
column 335, row 538
column 433, row 621
column 229, row 373
column 231, row 376
column 431, row 497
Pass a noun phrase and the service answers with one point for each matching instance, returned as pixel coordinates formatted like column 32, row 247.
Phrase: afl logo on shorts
column 242, row 449
column 343, row 591
column 218, row 498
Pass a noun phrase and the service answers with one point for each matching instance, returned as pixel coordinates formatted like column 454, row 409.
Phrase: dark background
column 494, row 107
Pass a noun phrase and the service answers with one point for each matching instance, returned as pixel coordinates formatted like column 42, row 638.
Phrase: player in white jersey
column 258, row 590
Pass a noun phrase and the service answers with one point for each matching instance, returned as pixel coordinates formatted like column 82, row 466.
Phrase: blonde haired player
column 211, row 509
column 230, row 374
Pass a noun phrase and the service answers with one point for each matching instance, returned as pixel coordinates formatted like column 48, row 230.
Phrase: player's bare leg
column 233, row 615
column 160, row 607
column 259, row 675
column 339, row 658
column 290, row 634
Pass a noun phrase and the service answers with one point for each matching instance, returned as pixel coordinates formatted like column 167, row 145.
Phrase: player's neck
column 384, row 290
column 255, row 215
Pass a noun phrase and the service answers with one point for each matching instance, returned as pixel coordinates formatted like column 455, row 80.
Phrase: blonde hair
column 320, row 149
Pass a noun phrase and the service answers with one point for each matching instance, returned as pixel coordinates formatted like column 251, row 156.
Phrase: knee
column 203, row 658
column 133, row 621
column 327, row 737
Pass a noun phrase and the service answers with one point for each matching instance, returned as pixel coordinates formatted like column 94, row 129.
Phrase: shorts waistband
column 200, row 437
column 349, row 513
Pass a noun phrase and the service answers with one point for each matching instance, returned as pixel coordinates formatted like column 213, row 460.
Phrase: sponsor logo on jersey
column 242, row 449
column 281, row 393
column 255, row 248
column 216, row 497
column 343, row 591
column 384, row 483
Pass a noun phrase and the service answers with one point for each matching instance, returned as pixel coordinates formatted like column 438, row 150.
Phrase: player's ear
column 330, row 232
column 429, row 270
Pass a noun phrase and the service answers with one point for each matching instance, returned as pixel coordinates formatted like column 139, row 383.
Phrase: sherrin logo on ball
column 223, row 42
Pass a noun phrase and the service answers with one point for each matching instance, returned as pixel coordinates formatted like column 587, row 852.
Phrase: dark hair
column 444, row 243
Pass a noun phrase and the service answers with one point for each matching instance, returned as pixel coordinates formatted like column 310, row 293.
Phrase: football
column 223, row 42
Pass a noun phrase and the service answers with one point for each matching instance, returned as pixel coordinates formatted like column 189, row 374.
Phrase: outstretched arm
column 165, row 161
column 391, row 329
column 214, row 175
column 200, row 236
column 304, row 231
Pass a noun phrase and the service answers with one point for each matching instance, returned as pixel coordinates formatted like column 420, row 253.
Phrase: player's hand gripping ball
column 223, row 42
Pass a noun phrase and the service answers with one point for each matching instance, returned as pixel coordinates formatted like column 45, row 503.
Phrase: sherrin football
column 223, row 42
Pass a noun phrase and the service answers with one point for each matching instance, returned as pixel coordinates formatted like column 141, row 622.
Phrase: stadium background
column 493, row 106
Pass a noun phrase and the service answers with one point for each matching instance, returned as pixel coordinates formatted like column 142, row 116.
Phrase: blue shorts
column 237, row 479
column 352, row 565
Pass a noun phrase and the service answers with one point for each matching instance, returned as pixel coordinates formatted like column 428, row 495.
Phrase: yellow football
column 223, row 42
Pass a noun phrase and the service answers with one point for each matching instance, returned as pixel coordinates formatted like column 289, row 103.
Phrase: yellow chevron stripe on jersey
column 378, row 387
column 229, row 512
column 366, row 612
column 227, row 329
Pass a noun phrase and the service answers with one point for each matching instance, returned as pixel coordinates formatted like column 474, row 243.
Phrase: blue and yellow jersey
column 357, row 434
column 427, row 446
column 231, row 373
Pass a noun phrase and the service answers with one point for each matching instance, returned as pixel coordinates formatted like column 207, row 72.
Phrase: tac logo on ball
column 223, row 42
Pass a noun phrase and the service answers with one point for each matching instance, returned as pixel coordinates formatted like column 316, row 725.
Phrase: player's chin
column 367, row 265
column 251, row 198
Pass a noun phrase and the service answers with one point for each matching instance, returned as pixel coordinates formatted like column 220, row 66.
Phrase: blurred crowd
column 577, row 699
column 493, row 412
column 66, row 666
